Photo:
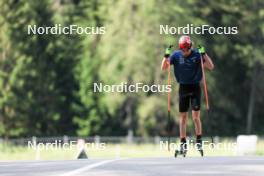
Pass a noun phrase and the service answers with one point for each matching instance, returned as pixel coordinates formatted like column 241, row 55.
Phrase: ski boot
column 199, row 146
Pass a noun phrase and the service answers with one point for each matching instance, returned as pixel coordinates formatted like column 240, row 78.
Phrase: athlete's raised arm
column 165, row 62
column 208, row 63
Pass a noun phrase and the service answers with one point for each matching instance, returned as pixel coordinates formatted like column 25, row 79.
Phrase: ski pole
column 169, row 94
column 169, row 128
column 206, row 94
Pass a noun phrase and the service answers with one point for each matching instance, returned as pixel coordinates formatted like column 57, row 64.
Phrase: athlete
column 188, row 72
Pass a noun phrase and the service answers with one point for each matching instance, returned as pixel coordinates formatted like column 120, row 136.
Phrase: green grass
column 11, row 152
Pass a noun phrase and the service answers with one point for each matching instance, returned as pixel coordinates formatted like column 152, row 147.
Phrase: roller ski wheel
column 201, row 152
column 180, row 152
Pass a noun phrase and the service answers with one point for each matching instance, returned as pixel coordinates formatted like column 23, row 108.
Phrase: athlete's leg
column 197, row 122
column 198, row 129
column 183, row 124
column 196, row 102
column 184, row 103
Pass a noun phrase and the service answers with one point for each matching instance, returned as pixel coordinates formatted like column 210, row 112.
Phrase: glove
column 201, row 50
column 168, row 51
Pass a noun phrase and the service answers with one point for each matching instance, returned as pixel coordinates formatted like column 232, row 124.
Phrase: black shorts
column 189, row 93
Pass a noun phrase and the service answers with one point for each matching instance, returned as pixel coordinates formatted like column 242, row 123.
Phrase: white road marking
column 89, row 167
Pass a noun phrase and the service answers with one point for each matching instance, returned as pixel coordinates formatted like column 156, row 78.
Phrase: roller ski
column 182, row 151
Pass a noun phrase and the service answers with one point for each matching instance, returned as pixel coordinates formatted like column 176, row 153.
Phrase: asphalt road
column 250, row 166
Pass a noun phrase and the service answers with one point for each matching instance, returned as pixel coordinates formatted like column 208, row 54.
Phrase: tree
column 37, row 94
